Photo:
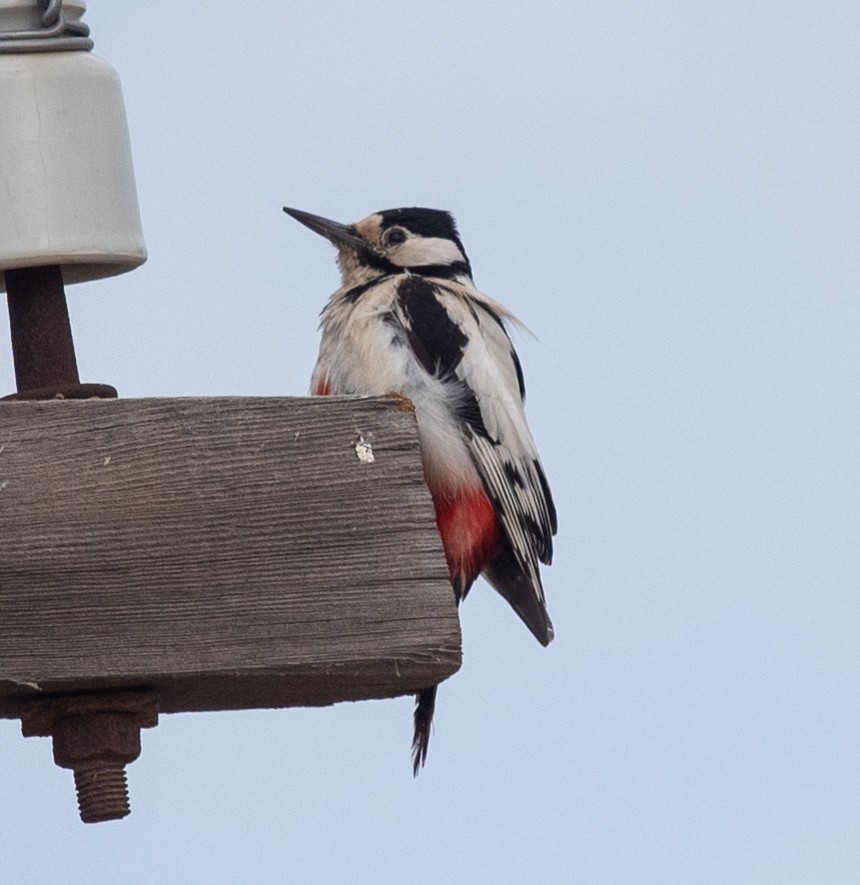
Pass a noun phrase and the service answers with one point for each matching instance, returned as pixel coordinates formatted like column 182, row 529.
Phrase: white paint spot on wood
column 364, row 451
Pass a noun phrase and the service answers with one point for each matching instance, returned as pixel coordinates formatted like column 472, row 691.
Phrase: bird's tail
column 523, row 591
column 425, row 704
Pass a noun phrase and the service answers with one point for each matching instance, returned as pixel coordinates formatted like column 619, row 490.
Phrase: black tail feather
column 524, row 593
column 425, row 704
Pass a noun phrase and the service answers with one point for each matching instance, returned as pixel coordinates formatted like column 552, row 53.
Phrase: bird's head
column 422, row 241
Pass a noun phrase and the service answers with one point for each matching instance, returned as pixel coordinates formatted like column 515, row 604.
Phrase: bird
column 408, row 320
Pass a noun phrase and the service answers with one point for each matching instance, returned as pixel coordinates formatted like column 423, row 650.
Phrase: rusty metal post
column 42, row 345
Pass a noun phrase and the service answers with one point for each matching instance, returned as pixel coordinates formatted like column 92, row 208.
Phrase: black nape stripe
column 443, row 271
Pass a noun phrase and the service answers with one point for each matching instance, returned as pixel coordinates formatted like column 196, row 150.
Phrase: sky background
column 667, row 195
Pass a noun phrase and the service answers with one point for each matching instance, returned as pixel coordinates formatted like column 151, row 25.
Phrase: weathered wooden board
column 230, row 553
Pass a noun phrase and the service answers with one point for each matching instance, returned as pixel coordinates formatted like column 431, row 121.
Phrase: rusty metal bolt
column 97, row 747
column 96, row 735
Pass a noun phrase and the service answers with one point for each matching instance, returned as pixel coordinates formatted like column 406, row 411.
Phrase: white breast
column 363, row 352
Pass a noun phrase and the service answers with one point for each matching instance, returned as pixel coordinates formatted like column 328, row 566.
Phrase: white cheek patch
column 425, row 250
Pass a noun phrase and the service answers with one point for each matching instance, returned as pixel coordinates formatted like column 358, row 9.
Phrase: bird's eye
column 395, row 237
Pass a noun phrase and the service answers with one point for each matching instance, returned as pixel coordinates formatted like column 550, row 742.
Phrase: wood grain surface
column 230, row 553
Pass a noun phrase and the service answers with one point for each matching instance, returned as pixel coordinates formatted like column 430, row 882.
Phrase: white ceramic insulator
column 67, row 193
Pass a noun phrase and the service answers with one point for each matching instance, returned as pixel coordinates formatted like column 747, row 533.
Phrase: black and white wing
column 459, row 336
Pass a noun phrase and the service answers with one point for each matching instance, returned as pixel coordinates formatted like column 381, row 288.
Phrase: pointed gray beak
column 339, row 234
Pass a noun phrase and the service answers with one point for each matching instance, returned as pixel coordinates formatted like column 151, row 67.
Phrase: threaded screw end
column 102, row 791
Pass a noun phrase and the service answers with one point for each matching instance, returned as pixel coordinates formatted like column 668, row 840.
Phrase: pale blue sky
column 667, row 195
